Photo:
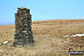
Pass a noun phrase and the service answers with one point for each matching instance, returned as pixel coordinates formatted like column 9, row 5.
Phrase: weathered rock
column 23, row 34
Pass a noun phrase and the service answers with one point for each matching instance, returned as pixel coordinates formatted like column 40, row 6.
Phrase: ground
column 49, row 38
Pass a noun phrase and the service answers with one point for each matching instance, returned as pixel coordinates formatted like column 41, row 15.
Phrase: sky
column 42, row 9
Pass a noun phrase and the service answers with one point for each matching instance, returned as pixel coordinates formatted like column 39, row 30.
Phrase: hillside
column 49, row 38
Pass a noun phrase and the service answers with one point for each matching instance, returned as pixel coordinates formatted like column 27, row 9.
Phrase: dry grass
column 48, row 36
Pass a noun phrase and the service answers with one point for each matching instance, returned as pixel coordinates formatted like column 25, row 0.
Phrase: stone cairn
column 23, row 34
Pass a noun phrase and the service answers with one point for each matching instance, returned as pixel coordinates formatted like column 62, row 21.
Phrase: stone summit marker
column 23, row 34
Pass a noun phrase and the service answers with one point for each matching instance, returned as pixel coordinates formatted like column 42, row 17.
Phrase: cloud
column 83, row 17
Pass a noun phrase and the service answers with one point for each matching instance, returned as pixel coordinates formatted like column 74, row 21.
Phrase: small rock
column 0, row 44
column 11, row 45
column 5, row 42
column 66, row 35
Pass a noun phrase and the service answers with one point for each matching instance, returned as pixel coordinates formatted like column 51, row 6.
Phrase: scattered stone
column 11, row 45
column 5, row 42
column 0, row 44
column 67, row 36
column 76, row 35
column 5, row 45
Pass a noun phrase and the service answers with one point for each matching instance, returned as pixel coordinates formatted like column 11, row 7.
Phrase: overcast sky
column 42, row 9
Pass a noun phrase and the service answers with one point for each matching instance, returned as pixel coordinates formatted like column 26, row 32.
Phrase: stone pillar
column 23, row 34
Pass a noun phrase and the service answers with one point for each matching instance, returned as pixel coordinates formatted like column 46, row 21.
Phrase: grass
column 48, row 36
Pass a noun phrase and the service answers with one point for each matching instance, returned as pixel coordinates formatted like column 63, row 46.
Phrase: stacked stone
column 23, row 34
